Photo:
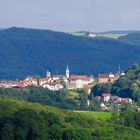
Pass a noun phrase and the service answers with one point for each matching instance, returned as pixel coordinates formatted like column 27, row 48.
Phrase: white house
column 31, row 81
column 53, row 86
column 81, row 81
column 106, row 97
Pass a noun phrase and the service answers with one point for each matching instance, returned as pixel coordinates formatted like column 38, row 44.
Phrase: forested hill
column 128, row 85
column 132, row 38
column 20, row 120
column 30, row 51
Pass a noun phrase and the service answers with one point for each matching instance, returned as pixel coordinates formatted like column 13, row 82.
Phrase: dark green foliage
column 44, row 96
column 31, row 122
column 95, row 105
column 26, row 52
column 77, row 134
column 128, row 85
column 7, row 132
column 126, row 119
column 99, row 89
column 56, row 132
column 27, row 121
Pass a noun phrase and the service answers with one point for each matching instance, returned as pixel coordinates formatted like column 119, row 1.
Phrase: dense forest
column 26, row 52
column 132, row 38
column 20, row 120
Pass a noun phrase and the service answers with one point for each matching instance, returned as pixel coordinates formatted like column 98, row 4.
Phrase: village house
column 80, row 80
column 30, row 81
column 126, row 100
column 106, row 97
column 53, row 86
column 110, row 78
column 103, row 107
column 72, row 81
column 10, row 84
column 115, row 99
column 107, row 78
column 43, row 81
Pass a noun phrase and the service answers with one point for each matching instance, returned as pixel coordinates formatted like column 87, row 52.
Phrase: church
column 72, row 81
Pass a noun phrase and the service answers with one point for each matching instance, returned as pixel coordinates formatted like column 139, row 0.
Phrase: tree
column 77, row 134
column 38, row 79
column 56, row 132
column 7, row 132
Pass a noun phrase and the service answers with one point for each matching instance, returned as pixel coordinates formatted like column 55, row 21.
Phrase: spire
column 67, row 67
column 119, row 68
column 67, row 72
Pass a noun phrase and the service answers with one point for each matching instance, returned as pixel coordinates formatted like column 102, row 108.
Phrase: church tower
column 48, row 74
column 67, row 72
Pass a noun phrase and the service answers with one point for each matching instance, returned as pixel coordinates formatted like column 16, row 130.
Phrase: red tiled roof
column 115, row 97
column 106, row 94
column 13, row 83
column 125, row 99
column 44, row 79
column 81, row 77
column 103, row 75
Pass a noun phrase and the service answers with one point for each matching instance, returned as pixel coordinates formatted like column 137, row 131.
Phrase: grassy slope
column 15, row 105
column 115, row 36
column 70, row 119
column 97, row 115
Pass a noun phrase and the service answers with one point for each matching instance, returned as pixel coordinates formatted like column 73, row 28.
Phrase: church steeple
column 67, row 72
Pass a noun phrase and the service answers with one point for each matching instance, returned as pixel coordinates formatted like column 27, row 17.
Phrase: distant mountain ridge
column 107, row 34
column 121, row 32
column 26, row 52
column 112, row 32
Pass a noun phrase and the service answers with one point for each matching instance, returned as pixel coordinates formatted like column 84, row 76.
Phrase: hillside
column 27, row 121
column 26, row 52
column 132, row 38
column 129, row 85
column 121, row 32
column 40, row 95
column 107, row 34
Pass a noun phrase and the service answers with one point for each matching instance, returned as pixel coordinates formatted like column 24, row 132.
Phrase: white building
column 106, row 97
column 53, row 86
column 81, row 80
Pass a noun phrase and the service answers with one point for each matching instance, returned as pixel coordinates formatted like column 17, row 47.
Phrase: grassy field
column 115, row 36
column 98, row 115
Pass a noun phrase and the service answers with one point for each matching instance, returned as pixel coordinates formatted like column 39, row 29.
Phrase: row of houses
column 106, row 97
column 110, row 78
column 57, row 82
column 54, row 82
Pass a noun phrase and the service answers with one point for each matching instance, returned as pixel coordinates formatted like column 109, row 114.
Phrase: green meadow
column 97, row 115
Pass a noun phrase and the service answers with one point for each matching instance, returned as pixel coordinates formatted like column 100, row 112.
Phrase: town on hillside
column 71, row 82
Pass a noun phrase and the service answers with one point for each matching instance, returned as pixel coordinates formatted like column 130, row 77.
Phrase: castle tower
column 67, row 72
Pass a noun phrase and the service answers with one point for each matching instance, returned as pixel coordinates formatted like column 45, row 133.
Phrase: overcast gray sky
column 71, row 15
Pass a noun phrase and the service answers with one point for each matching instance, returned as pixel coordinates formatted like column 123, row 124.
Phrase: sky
column 71, row 15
